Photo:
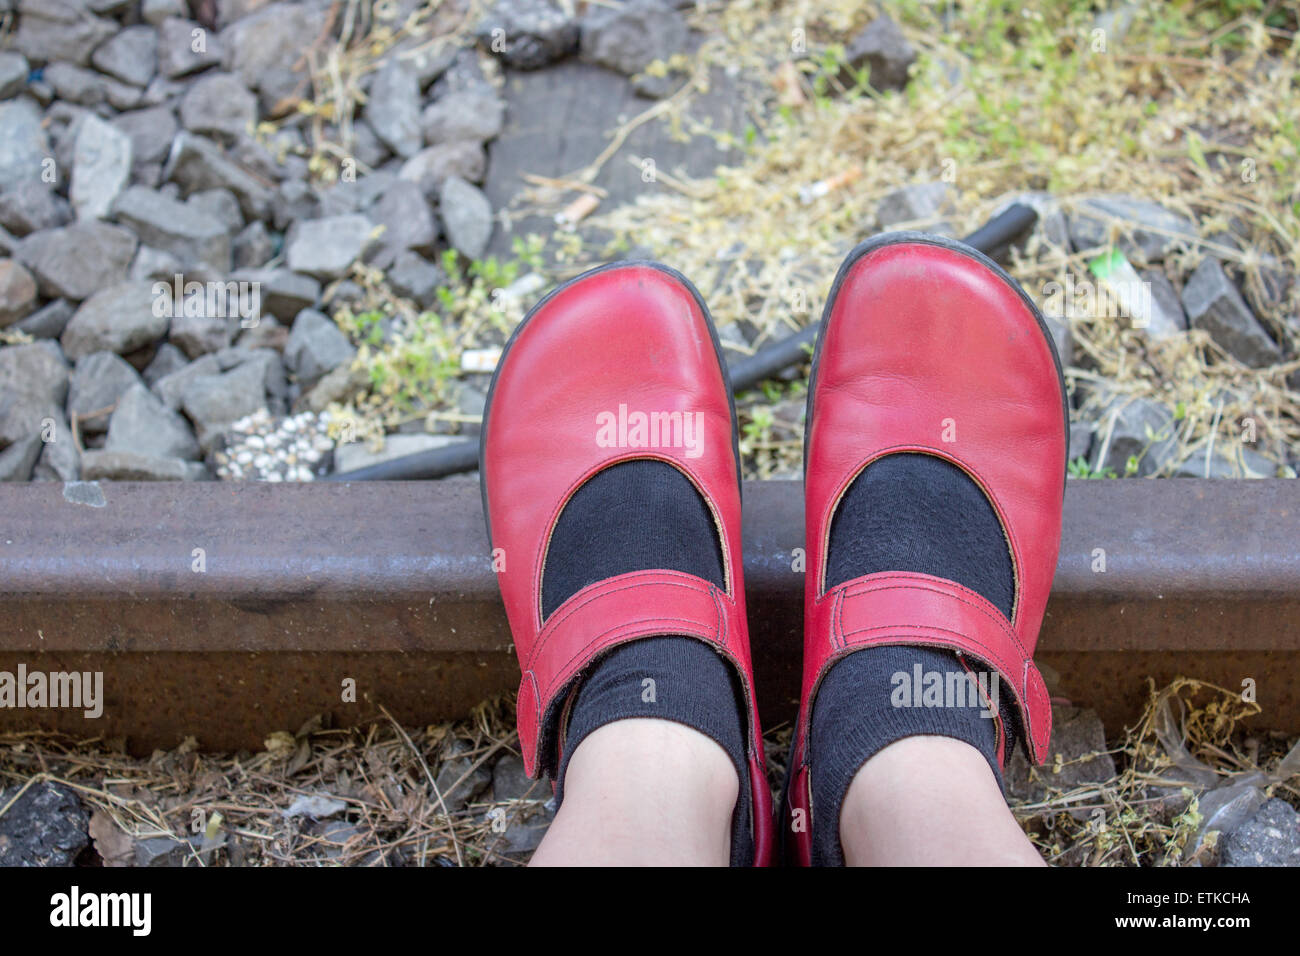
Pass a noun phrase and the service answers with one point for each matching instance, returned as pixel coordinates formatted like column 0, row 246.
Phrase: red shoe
column 927, row 346
column 626, row 335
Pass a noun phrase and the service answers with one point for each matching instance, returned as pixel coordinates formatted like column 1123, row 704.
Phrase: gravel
column 1214, row 304
column 75, row 261
column 143, row 425
column 466, row 217
column 98, row 381
column 120, row 318
column 884, row 52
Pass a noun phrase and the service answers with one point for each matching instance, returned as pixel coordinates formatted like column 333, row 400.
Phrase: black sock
column 636, row 516
column 919, row 513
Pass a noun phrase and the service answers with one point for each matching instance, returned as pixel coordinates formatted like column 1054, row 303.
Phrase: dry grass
column 394, row 814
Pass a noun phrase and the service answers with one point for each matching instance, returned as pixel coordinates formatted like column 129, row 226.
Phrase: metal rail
column 229, row 611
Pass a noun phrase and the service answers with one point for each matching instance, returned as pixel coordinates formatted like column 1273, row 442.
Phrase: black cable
column 992, row 239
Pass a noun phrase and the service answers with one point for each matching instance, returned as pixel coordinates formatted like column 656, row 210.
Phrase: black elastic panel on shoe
column 633, row 516
column 912, row 512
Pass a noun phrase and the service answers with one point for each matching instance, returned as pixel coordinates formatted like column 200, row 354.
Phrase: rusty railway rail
column 229, row 611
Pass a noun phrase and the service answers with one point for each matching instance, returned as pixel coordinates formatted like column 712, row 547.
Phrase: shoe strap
column 894, row 607
column 603, row 615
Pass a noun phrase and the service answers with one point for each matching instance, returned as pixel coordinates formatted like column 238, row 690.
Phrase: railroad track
column 229, row 611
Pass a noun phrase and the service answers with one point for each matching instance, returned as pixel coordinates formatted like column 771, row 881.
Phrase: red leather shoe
column 621, row 341
column 927, row 346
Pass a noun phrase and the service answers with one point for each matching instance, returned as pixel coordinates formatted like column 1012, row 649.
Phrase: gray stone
column 172, row 226
column 197, row 163
column 23, row 417
column 466, row 217
column 414, row 277
column 98, row 381
column 268, row 333
column 218, row 103
column 407, row 222
column 170, row 387
column 294, row 202
column 326, row 248
column 359, row 195
column 75, row 84
column 430, row 168
column 59, row 459
column 284, row 293
column 131, row 56
column 393, row 107
column 252, row 247
column 1062, row 338
column 47, row 322
column 1146, row 230
column 367, row 147
column 1214, row 304
column 51, row 30
column 122, row 96
column 154, row 264
column 221, row 205
column 17, row 292
column 24, row 146
column 196, row 334
column 268, row 360
column 511, row 782
column 472, row 403
column 884, row 52
column 212, row 402
column 163, row 91
column 62, row 121
column 19, row 458
column 185, row 47
column 1080, row 440
column 101, row 167
column 14, row 70
column 151, row 132
column 1133, row 420
column 456, row 781
column 156, row 11
column 46, row 826
column 1269, row 838
column 265, row 49
column 315, row 346
column 1226, row 459
column 353, row 455
column 339, row 385
column 31, row 208
column 1079, row 738
column 464, row 71
column 1167, row 319
column 120, row 318
column 75, row 261
column 166, row 360
column 474, row 114
column 228, row 11
column 35, row 370
column 919, row 202
column 143, row 425
column 630, row 37
column 99, row 465
column 528, row 34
